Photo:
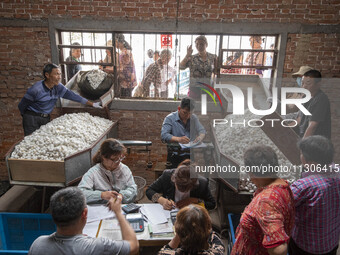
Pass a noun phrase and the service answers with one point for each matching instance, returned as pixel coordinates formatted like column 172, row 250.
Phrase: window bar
column 220, row 57
column 91, row 50
column 94, row 44
column 216, row 64
column 179, row 63
column 82, row 43
column 114, row 61
column 143, row 67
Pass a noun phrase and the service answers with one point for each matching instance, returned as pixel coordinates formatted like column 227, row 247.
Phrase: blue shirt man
column 181, row 127
column 40, row 99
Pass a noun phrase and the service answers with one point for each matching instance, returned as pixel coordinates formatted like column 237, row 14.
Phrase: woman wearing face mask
column 109, row 177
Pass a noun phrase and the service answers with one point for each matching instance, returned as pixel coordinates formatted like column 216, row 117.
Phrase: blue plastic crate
column 19, row 230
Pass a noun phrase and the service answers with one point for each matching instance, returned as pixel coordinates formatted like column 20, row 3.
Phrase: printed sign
column 166, row 41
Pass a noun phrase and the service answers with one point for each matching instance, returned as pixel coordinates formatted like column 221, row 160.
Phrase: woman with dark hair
column 267, row 222
column 109, row 177
column 194, row 234
column 126, row 68
column 180, row 187
column 255, row 58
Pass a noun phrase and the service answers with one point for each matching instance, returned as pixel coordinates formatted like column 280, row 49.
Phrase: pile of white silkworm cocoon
column 62, row 137
column 96, row 77
column 234, row 140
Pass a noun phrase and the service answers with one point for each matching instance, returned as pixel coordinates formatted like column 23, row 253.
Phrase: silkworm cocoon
column 62, row 137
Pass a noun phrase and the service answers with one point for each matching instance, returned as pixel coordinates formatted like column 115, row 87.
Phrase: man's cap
column 302, row 71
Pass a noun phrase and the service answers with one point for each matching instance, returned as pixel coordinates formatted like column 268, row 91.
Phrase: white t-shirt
column 181, row 195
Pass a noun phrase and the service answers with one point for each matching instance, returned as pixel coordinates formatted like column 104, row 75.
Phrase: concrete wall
column 309, row 31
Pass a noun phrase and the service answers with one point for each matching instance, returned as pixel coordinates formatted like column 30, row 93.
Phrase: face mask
column 299, row 81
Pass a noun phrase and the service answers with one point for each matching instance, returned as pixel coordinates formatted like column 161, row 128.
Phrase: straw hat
column 302, row 71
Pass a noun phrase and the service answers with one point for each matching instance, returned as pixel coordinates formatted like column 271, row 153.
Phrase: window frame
column 184, row 27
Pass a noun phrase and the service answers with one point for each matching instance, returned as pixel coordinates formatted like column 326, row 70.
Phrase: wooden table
column 98, row 212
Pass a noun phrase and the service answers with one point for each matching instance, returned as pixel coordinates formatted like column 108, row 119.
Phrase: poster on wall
column 166, row 41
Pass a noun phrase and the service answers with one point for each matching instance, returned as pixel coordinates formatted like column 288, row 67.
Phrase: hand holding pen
column 115, row 204
column 167, row 204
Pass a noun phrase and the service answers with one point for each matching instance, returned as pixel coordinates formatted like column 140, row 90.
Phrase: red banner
column 166, row 41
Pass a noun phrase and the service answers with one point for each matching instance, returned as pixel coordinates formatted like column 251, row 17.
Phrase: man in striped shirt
column 317, row 200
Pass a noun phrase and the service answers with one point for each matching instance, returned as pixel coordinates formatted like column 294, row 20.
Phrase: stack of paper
column 154, row 213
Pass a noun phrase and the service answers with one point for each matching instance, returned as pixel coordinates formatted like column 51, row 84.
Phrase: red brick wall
column 23, row 53
column 319, row 51
column 24, row 50
column 298, row 11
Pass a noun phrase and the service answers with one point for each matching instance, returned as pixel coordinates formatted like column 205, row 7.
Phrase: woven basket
column 140, row 182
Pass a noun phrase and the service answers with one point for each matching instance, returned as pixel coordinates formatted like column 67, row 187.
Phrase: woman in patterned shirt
column 126, row 69
column 193, row 234
column 202, row 65
column 267, row 222
column 255, row 58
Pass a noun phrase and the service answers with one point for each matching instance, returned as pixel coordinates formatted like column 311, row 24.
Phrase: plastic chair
column 140, row 182
column 234, row 220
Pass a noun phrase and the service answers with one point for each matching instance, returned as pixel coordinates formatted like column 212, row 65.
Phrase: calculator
column 173, row 216
column 131, row 208
column 136, row 221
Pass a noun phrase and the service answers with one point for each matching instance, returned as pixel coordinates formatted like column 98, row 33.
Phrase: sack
column 94, row 93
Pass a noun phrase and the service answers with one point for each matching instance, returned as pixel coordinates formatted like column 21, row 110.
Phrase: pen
column 173, row 203
column 145, row 218
column 150, row 230
column 108, row 202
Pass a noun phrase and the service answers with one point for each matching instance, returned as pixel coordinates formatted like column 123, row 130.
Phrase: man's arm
column 24, row 103
column 28, row 99
column 300, row 192
column 158, row 82
column 166, row 133
column 128, row 233
column 70, row 95
column 199, row 129
column 298, row 121
column 148, row 78
column 311, row 128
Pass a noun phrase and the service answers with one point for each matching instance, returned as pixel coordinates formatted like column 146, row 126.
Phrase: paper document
column 193, row 145
column 110, row 229
column 98, row 212
column 91, row 229
column 161, row 228
column 154, row 213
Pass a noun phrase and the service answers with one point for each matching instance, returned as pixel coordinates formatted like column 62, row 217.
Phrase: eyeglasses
column 117, row 161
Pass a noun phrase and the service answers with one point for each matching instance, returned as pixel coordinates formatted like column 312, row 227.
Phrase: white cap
column 302, row 71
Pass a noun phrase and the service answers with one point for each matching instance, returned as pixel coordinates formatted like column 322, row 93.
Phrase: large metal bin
column 54, row 173
column 284, row 138
column 73, row 85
